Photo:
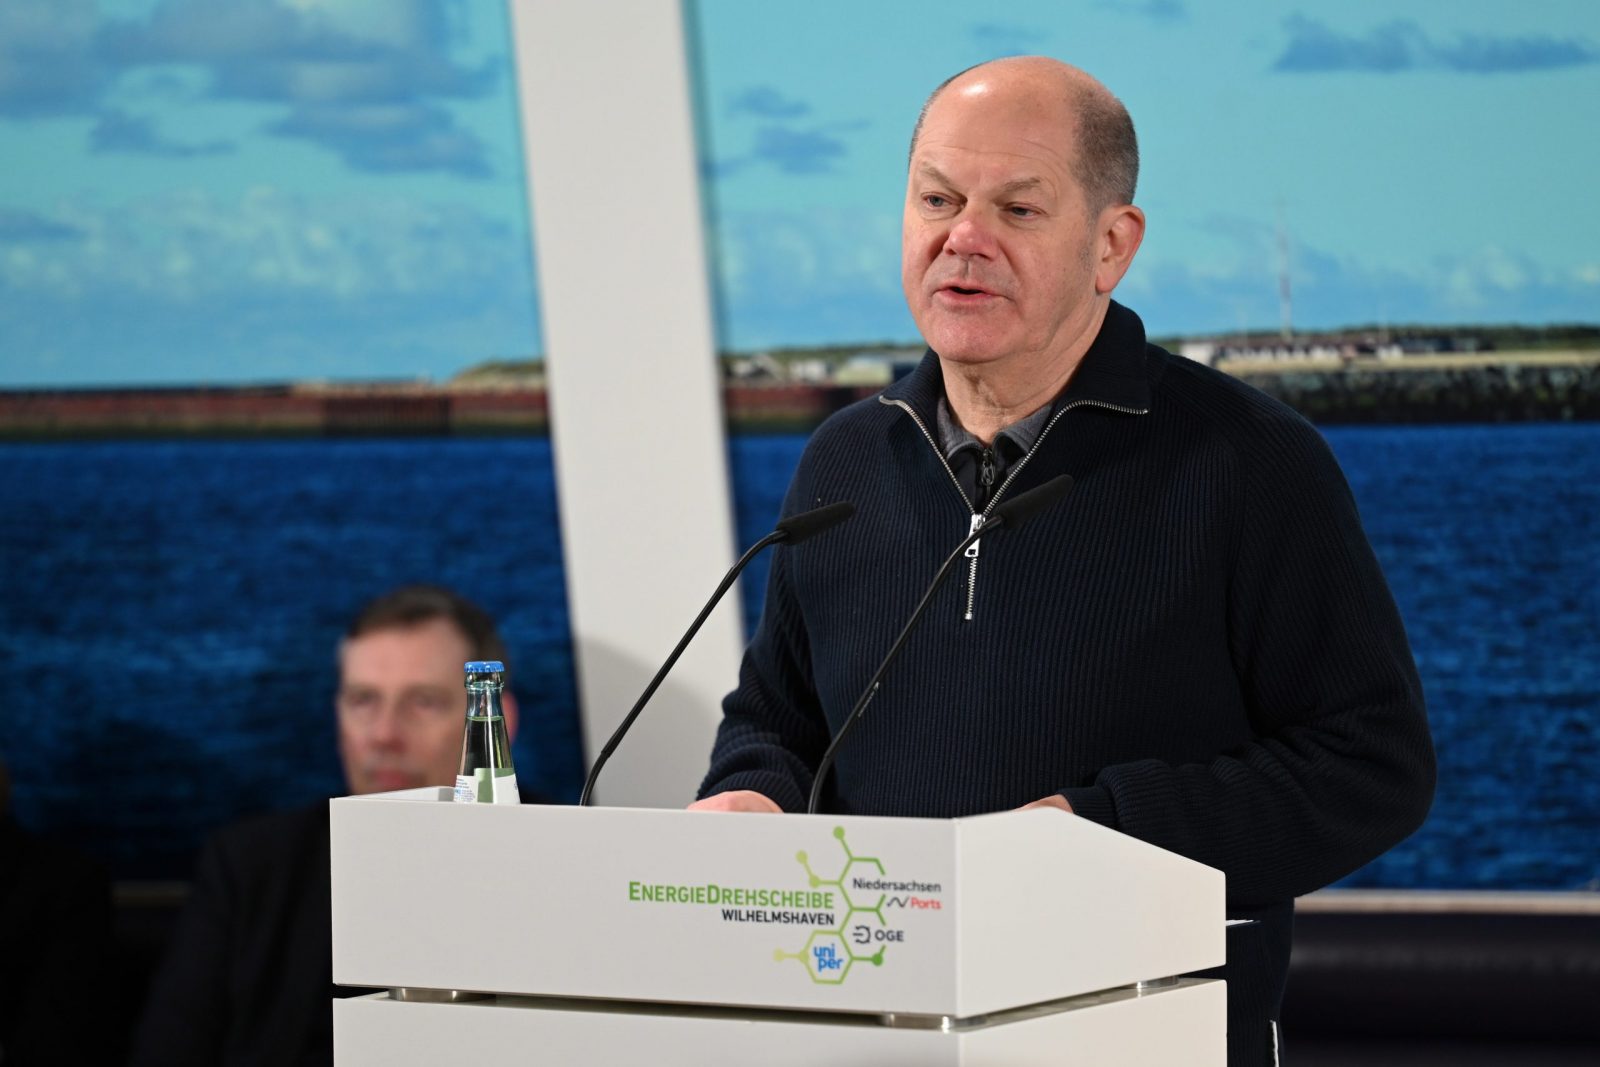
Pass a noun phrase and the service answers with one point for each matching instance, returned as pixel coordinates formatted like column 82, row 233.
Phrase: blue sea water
column 169, row 611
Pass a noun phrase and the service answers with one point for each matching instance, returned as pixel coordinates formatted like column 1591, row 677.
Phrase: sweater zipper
column 978, row 517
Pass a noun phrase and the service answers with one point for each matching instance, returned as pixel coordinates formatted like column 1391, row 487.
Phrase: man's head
column 401, row 702
column 1018, row 214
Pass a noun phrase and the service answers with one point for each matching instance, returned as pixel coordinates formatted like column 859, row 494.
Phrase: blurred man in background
column 401, row 701
column 248, row 978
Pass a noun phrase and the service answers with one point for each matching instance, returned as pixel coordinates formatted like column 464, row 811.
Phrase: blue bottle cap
column 485, row 666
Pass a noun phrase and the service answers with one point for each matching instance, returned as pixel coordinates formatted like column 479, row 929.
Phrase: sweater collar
column 1111, row 373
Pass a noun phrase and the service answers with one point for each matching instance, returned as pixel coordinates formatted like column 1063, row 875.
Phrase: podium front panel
column 829, row 913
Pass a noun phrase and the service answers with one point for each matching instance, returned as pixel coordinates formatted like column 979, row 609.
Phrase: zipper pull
column 972, row 549
column 986, row 470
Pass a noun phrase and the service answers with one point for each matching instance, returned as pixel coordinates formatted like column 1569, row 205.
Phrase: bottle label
column 505, row 789
column 486, row 787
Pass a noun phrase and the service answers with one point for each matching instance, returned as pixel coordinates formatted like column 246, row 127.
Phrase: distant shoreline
column 1561, row 386
column 1447, row 388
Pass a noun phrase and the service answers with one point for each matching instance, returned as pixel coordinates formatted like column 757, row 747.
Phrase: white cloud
column 47, row 63
column 363, row 79
column 1485, row 277
column 207, row 244
column 1487, row 284
column 790, row 278
column 786, row 278
column 185, row 286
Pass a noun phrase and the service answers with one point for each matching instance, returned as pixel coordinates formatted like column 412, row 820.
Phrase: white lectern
column 560, row 935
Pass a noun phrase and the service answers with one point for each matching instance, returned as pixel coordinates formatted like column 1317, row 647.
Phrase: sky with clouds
column 247, row 190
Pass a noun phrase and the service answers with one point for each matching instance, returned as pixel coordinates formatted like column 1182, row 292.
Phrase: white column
column 641, row 470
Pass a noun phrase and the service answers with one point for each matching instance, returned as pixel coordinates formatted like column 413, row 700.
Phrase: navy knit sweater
column 1196, row 647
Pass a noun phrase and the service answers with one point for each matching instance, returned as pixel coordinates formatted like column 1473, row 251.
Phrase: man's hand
column 1054, row 800
column 737, row 800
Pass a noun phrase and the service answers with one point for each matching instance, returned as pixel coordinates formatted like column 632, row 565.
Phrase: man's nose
column 387, row 726
column 969, row 237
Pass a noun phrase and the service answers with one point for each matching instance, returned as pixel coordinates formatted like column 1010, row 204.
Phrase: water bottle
column 486, row 775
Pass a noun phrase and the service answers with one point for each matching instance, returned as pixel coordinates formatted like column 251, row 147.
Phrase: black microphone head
column 797, row 528
column 1019, row 509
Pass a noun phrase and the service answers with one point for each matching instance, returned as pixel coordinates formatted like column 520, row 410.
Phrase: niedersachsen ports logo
column 835, row 945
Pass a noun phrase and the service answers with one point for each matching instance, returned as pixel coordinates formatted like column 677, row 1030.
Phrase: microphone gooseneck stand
column 792, row 531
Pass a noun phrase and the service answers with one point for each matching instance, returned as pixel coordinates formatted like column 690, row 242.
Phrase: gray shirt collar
column 1020, row 434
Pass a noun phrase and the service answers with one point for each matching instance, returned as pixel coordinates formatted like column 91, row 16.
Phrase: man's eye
column 1018, row 211
column 357, row 703
column 935, row 201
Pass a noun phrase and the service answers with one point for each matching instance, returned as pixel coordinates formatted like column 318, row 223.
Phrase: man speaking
column 1195, row 648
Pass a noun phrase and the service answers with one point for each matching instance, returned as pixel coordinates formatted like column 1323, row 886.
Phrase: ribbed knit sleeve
column 772, row 732
column 1341, row 766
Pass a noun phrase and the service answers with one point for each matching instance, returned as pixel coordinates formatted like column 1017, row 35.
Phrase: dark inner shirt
column 982, row 470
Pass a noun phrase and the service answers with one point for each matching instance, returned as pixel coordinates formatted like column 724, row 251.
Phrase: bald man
column 1196, row 648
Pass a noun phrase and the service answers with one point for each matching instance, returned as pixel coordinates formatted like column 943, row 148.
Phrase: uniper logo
column 828, row 955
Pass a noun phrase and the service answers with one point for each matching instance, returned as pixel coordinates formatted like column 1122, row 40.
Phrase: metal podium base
column 1152, row 1026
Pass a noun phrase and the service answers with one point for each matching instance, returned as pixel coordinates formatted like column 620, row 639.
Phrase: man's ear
column 1121, row 230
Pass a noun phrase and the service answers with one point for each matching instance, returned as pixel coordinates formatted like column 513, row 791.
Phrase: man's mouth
column 964, row 294
column 389, row 779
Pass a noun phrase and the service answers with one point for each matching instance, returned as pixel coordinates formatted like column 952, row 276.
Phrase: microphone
column 1024, row 506
column 797, row 528
column 793, row 530
column 1014, row 513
